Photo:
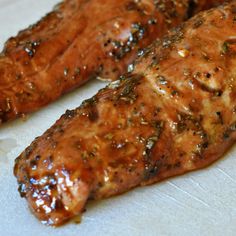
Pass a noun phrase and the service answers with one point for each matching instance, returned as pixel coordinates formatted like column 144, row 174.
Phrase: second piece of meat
column 78, row 41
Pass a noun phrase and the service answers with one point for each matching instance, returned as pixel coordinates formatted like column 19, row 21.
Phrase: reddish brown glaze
column 176, row 112
column 78, row 41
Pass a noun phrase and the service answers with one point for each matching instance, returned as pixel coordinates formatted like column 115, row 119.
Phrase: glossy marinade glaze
column 176, row 112
column 78, row 41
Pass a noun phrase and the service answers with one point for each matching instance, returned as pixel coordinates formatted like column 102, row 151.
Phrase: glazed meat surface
column 173, row 114
column 78, row 41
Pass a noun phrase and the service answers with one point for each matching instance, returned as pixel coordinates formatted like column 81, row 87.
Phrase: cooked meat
column 176, row 112
column 200, row 5
column 78, row 41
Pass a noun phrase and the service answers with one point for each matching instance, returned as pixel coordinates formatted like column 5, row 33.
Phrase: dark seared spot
column 30, row 47
column 22, row 189
column 197, row 23
column 89, row 102
column 70, row 114
column 233, row 9
column 205, row 88
column 177, row 164
column 152, row 166
column 3, row 117
column 33, row 164
column 228, row 47
column 191, row 8
column 93, row 114
column 130, row 6
column 155, row 61
column 220, row 117
column 208, row 75
column 126, row 91
column 58, row 205
column 152, row 21
column 151, row 169
column 58, row 129
column 27, row 152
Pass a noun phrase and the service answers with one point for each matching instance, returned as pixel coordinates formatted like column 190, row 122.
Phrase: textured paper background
column 199, row 203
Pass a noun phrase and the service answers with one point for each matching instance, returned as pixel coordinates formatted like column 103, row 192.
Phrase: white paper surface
column 199, row 203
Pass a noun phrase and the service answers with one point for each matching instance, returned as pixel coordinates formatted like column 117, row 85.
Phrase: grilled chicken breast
column 78, row 41
column 176, row 112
